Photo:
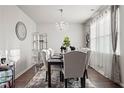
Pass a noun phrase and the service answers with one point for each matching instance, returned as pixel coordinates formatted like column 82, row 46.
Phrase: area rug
column 38, row 81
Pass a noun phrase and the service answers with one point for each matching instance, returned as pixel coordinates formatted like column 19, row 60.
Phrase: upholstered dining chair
column 54, row 55
column 88, row 52
column 44, row 59
column 45, row 54
column 51, row 52
column 74, row 66
column 88, row 58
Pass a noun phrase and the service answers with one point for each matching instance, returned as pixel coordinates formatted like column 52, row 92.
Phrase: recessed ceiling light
column 92, row 9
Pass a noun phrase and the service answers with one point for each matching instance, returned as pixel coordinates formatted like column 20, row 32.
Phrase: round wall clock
column 21, row 30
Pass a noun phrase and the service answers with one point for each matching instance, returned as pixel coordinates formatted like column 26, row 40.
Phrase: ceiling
column 50, row 13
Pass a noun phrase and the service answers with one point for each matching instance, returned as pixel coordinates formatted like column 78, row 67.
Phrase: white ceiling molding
column 49, row 13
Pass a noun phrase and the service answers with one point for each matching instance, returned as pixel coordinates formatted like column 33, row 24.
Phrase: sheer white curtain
column 101, row 44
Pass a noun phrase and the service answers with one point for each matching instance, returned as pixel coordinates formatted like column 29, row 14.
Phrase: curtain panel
column 104, row 43
column 101, row 46
column 116, row 76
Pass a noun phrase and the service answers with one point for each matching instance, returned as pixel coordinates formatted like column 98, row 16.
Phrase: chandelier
column 62, row 24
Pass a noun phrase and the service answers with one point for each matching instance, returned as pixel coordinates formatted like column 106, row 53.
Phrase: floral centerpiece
column 66, row 43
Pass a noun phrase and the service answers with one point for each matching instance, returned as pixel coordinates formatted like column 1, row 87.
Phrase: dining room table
column 56, row 60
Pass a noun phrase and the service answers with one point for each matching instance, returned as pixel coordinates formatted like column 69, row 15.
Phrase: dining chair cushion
column 46, row 58
column 74, row 64
column 51, row 51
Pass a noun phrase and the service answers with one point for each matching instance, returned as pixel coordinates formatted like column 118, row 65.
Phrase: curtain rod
column 99, row 11
column 96, row 13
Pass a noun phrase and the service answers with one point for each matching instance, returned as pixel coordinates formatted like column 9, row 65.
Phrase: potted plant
column 66, row 43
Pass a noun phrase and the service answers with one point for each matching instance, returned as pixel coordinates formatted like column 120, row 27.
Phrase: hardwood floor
column 100, row 81
column 25, row 78
column 97, row 79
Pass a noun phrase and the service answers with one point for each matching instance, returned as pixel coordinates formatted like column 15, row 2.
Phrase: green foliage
column 66, row 41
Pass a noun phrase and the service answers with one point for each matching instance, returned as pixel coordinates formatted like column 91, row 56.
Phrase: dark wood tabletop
column 53, row 62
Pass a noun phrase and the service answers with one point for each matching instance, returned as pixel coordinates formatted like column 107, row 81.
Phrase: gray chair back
column 51, row 52
column 44, row 57
column 74, row 64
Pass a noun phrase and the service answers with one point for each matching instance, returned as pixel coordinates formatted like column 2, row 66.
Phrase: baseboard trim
column 121, row 84
column 22, row 72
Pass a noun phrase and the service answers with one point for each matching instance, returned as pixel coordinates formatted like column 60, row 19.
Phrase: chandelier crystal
column 62, row 24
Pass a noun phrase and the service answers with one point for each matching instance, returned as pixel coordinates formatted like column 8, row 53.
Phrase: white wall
column 122, row 42
column 1, row 32
column 55, row 37
column 9, row 16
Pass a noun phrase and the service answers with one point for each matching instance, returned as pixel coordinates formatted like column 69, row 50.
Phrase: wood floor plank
column 97, row 79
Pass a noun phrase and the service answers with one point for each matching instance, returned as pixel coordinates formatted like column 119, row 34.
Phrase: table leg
column 49, row 75
column 14, row 76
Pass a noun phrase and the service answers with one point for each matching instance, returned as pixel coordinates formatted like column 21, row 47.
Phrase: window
column 101, row 42
column 100, row 30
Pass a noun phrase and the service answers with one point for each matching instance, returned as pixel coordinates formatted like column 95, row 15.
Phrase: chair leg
column 77, row 79
column 4, row 86
column 65, row 83
column 9, row 83
column 60, row 76
column 46, row 76
column 82, row 82
column 86, row 74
